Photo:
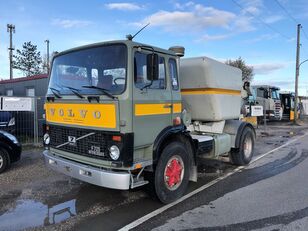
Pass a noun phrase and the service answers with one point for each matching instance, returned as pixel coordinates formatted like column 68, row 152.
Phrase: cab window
column 173, row 74
column 140, row 72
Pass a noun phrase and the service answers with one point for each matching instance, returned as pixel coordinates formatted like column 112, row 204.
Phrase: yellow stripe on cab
column 157, row 109
column 177, row 108
column 152, row 109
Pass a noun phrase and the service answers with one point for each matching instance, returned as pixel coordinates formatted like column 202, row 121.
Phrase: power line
column 260, row 20
column 303, row 48
column 291, row 17
column 305, row 34
column 285, row 10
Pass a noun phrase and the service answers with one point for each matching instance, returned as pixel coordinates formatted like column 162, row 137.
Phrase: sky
column 261, row 32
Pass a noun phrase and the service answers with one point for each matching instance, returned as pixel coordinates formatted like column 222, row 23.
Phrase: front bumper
column 92, row 175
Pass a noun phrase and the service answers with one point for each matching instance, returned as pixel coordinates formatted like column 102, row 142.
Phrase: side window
column 140, row 72
column 30, row 92
column 173, row 74
column 260, row 93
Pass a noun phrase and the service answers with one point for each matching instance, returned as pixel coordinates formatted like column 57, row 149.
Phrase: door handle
column 168, row 106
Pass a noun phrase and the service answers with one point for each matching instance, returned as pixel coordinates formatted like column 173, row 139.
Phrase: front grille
column 86, row 144
column 277, row 109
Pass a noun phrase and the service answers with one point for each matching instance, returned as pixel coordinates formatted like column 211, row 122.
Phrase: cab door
column 173, row 71
column 152, row 102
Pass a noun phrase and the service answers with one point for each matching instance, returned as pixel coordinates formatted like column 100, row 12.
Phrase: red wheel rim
column 174, row 172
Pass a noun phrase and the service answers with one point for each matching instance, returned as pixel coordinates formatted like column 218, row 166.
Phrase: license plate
column 96, row 150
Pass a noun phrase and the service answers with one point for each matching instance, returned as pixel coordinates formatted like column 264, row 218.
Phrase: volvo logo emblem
column 72, row 140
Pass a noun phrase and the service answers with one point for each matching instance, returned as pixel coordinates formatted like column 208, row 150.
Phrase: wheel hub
column 174, row 173
column 247, row 146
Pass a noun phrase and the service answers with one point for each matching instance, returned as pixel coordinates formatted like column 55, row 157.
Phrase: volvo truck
column 122, row 114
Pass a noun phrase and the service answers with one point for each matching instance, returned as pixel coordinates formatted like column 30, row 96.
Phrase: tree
column 28, row 60
column 247, row 71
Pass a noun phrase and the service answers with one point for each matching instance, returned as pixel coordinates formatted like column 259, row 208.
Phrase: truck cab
column 115, row 118
column 268, row 97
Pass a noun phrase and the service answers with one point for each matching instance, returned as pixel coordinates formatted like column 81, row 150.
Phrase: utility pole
column 297, row 71
column 47, row 43
column 11, row 30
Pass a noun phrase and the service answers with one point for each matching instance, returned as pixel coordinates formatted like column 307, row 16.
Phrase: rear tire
column 172, row 173
column 4, row 160
column 243, row 155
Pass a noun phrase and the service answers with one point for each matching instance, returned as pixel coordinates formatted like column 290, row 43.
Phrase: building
column 32, row 86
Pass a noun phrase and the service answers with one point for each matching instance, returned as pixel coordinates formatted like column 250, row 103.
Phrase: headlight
column 114, row 152
column 12, row 122
column 46, row 139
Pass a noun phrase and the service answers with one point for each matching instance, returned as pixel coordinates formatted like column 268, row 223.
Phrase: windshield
column 103, row 67
column 275, row 94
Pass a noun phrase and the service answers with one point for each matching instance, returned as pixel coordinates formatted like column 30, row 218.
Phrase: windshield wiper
column 56, row 92
column 105, row 91
column 75, row 91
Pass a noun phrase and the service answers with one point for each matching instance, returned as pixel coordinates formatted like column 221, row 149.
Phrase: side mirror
column 246, row 87
column 152, row 67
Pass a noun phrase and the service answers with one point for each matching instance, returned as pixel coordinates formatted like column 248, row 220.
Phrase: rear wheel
column 4, row 160
column 172, row 173
column 244, row 153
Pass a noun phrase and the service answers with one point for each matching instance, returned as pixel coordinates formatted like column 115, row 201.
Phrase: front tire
column 172, row 173
column 243, row 155
column 4, row 160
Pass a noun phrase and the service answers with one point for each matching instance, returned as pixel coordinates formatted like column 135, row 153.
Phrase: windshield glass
column 275, row 94
column 103, row 67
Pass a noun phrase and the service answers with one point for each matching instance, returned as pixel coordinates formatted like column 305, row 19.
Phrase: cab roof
column 128, row 43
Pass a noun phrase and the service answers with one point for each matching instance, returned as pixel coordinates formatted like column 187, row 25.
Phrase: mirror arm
column 147, row 85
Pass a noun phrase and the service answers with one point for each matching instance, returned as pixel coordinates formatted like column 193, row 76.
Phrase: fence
column 23, row 117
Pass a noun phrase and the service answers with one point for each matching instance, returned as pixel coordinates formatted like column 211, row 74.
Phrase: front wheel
column 244, row 153
column 172, row 173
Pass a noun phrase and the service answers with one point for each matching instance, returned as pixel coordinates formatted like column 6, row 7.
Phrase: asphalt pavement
column 269, row 194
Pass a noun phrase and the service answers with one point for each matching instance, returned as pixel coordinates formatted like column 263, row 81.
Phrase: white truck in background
column 268, row 97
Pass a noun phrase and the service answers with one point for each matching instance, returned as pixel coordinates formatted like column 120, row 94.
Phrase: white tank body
column 211, row 90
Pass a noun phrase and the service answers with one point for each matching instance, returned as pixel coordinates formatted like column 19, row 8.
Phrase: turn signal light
column 137, row 166
column 117, row 138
